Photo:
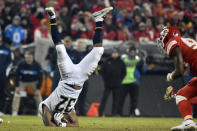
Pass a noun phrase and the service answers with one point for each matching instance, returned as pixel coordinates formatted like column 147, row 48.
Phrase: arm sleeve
column 170, row 46
column 141, row 67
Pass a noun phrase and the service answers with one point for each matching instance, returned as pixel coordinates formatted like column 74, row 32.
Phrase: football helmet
column 166, row 34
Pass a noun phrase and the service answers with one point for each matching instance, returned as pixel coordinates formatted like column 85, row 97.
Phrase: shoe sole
column 102, row 11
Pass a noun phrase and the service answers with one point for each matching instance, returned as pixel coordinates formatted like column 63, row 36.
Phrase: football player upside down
column 181, row 50
column 58, row 108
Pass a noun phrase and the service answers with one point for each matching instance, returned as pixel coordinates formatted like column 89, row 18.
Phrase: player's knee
column 180, row 98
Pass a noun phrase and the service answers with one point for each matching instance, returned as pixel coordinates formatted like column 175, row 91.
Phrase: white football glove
column 58, row 119
column 169, row 77
column 51, row 12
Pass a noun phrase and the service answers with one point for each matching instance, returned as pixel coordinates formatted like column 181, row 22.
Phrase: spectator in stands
column 141, row 35
column 150, row 29
column 24, row 11
column 2, row 5
column 158, row 9
column 27, row 30
column 88, row 22
column 5, row 61
column 43, row 41
column 123, row 32
column 14, row 33
column 130, row 83
column 147, row 12
column 28, row 73
column 126, row 19
column 195, row 26
column 98, row 6
column 109, row 28
column 81, row 26
column 113, row 72
column 36, row 16
column 125, row 4
column 65, row 17
column 6, row 16
column 137, row 21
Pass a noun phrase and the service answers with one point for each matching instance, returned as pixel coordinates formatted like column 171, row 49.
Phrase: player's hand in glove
column 58, row 119
column 169, row 77
column 51, row 12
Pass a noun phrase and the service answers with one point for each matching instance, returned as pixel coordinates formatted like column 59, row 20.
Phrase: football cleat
column 169, row 94
column 14, row 114
column 51, row 12
column 99, row 15
column 185, row 127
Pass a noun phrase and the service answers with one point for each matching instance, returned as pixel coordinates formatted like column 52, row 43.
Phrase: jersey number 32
column 65, row 105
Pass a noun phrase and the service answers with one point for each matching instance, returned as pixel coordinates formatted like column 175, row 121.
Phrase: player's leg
column 63, row 60
column 90, row 62
column 185, row 107
column 122, row 94
column 17, row 98
column 115, row 100
column 37, row 94
column 134, row 92
column 103, row 102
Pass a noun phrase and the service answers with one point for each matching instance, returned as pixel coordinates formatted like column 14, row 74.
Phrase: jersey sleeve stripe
column 170, row 45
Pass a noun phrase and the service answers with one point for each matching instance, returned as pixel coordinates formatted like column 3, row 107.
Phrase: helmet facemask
column 163, row 35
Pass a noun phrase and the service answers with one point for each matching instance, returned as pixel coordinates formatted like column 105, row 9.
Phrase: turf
column 33, row 123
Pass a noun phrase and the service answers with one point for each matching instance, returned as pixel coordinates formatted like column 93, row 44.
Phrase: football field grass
column 34, row 123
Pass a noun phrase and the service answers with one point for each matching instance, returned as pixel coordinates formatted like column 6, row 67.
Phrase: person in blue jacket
column 28, row 73
column 5, row 62
column 14, row 33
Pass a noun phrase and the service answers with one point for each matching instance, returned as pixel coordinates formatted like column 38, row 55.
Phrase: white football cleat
column 169, row 93
column 14, row 114
column 185, row 126
column 99, row 15
column 2, row 114
column 51, row 12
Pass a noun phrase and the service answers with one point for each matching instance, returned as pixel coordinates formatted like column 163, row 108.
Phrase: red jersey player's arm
column 177, row 57
column 47, row 117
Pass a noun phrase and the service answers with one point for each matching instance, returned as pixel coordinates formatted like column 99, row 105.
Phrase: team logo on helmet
column 166, row 34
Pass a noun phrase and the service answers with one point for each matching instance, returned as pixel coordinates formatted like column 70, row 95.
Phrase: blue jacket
column 15, row 34
column 28, row 73
column 5, row 59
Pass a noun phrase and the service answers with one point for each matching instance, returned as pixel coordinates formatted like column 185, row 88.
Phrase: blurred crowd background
column 24, row 29
column 132, row 19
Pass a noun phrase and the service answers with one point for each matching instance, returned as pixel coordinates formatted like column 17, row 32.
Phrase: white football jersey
column 64, row 97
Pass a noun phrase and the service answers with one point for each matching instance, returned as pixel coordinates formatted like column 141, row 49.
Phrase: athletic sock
column 98, row 36
column 185, row 109
column 54, row 31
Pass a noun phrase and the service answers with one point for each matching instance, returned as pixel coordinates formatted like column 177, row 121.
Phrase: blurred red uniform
column 186, row 52
column 188, row 49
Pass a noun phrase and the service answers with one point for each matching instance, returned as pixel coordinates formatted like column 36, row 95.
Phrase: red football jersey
column 188, row 49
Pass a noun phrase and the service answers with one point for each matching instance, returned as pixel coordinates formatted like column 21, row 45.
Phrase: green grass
column 33, row 123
